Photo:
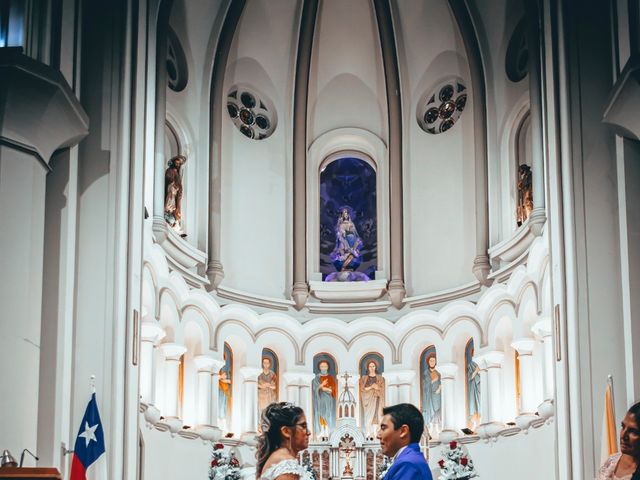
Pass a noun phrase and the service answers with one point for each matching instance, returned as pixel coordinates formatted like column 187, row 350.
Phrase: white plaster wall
column 532, row 456
column 164, row 456
column 22, row 192
column 495, row 22
column 196, row 25
column 438, row 170
column 256, row 189
column 346, row 81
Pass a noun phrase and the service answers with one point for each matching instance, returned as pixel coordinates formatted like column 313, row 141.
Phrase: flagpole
column 92, row 383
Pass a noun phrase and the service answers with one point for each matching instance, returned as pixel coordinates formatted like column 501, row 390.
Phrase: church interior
column 213, row 205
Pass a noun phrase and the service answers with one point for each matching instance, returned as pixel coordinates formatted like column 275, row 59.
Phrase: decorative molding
column 51, row 117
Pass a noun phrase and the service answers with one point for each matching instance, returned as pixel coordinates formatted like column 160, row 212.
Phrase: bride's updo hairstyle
column 274, row 417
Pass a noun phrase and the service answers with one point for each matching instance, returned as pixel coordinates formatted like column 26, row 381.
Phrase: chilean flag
column 89, row 458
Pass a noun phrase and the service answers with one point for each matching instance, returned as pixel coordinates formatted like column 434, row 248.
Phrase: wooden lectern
column 30, row 473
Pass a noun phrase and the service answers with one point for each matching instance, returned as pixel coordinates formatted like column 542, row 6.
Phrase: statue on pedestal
column 173, row 194
column 525, row 194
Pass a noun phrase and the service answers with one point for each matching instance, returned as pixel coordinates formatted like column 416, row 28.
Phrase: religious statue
column 525, row 194
column 372, row 394
column 473, row 388
column 173, row 194
column 432, row 393
column 267, row 385
column 224, row 399
column 324, row 390
column 346, row 254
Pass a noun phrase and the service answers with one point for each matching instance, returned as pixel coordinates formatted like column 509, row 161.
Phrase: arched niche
column 347, row 143
column 348, row 190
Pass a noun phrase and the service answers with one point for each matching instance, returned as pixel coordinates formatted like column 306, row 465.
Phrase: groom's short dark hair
column 409, row 415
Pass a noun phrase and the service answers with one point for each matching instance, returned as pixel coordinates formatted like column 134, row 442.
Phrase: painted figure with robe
column 372, row 395
column 431, row 393
column 267, row 385
column 473, row 388
column 324, row 391
column 224, row 390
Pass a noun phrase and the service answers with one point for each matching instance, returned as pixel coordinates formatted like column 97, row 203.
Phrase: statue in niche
column 473, row 388
column 372, row 394
column 324, row 390
column 173, row 194
column 431, row 393
column 525, row 194
column 267, row 385
column 346, row 254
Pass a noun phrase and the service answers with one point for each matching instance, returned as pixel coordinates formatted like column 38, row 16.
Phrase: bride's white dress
column 286, row 466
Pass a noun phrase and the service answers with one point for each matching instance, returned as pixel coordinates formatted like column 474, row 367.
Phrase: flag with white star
column 89, row 452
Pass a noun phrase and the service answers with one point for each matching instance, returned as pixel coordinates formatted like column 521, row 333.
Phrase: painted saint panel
column 225, row 379
column 268, row 380
column 473, row 387
column 324, row 391
column 372, row 392
column 348, row 221
column 431, row 389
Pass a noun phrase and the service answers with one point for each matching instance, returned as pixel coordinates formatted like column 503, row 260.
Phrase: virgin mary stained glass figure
column 346, row 255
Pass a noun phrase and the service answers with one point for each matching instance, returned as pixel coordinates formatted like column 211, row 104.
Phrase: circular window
column 251, row 113
column 177, row 71
column 517, row 57
column 443, row 107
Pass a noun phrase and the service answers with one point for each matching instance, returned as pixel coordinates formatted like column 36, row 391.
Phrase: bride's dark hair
column 274, row 417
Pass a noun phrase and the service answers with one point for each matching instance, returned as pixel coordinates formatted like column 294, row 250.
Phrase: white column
column 542, row 329
column 305, row 393
column 250, row 400
column 448, row 372
column 172, row 353
column 205, row 365
column 215, row 387
column 404, row 379
column 524, row 347
column 150, row 334
column 484, row 392
column 493, row 362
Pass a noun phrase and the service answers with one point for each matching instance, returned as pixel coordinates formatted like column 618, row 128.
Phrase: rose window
column 251, row 113
column 443, row 107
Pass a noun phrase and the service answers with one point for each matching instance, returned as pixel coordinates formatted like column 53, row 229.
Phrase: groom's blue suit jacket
column 409, row 465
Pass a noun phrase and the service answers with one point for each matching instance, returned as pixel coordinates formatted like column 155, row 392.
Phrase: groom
column 400, row 430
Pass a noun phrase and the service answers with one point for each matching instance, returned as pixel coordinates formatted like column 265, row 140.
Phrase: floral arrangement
column 384, row 467
column 456, row 464
column 308, row 466
column 224, row 466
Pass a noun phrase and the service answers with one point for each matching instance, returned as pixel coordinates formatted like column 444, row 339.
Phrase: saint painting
column 473, row 387
column 224, row 389
column 525, row 194
column 372, row 393
column 431, row 389
column 324, row 390
column 268, row 380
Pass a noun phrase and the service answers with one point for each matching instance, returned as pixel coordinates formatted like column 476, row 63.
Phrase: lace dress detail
column 607, row 471
column 286, row 466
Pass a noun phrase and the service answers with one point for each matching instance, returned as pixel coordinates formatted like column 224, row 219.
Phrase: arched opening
column 348, row 220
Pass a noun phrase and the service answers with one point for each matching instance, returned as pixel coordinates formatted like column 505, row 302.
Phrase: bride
column 285, row 434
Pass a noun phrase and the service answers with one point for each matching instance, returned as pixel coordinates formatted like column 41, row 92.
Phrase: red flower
column 464, row 461
column 218, row 446
column 234, row 462
column 441, row 463
column 214, row 462
column 453, row 445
